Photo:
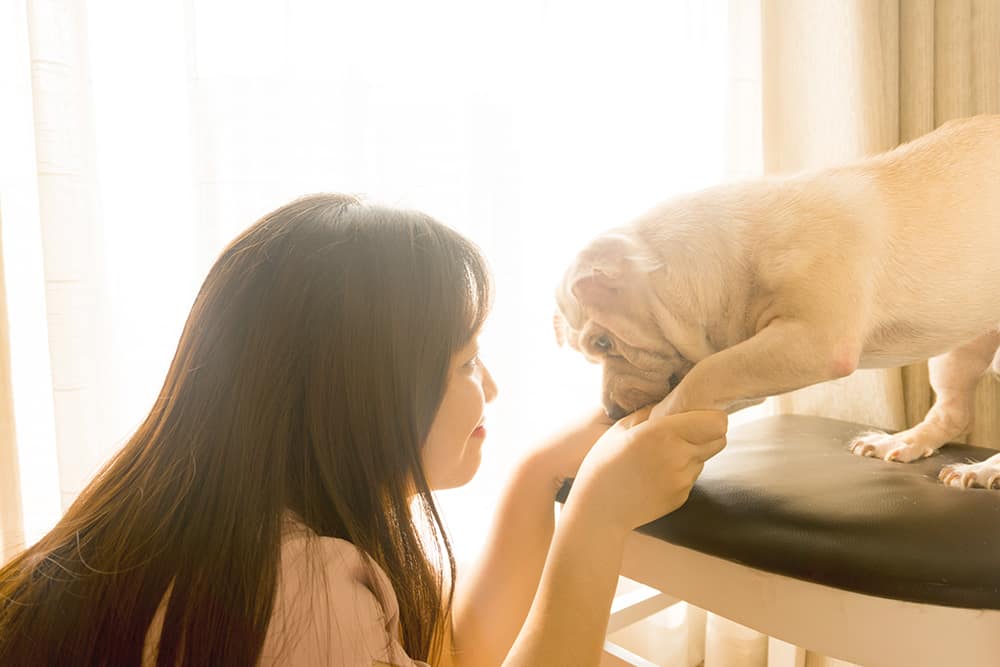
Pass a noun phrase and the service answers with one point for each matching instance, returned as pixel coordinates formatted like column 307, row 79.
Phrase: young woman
column 275, row 506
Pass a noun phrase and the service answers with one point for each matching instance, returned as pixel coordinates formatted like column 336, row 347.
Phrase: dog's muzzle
column 613, row 410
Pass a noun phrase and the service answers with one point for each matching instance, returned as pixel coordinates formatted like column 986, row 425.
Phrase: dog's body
column 747, row 290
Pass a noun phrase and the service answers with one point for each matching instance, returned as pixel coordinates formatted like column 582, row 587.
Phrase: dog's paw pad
column 888, row 447
column 985, row 474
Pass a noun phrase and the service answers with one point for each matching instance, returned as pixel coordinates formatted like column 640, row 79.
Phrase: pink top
column 326, row 611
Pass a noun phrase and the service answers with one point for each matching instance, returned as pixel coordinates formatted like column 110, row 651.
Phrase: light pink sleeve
column 327, row 612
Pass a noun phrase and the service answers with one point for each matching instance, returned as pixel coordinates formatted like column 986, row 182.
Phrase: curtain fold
column 29, row 501
column 65, row 147
column 966, row 36
column 873, row 75
column 11, row 522
column 840, row 79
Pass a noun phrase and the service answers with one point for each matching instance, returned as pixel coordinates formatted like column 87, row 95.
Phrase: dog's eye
column 602, row 343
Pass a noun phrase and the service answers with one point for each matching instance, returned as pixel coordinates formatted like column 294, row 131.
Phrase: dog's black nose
column 613, row 410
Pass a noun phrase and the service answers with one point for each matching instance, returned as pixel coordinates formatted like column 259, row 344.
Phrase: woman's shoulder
column 328, row 567
column 333, row 605
column 339, row 558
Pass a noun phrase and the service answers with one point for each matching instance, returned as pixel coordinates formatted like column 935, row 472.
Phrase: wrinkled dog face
column 606, row 305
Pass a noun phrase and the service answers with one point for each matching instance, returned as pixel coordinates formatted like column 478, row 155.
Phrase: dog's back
column 940, row 274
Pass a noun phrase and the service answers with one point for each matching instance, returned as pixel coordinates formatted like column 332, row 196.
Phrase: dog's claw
column 985, row 474
column 862, row 449
column 889, row 448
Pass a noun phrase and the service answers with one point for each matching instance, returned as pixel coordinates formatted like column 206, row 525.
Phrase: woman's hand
column 560, row 456
column 643, row 468
column 640, row 469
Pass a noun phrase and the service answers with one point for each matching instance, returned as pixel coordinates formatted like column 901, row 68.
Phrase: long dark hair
column 308, row 374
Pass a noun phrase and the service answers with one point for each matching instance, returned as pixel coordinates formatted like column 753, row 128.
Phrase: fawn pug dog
column 725, row 297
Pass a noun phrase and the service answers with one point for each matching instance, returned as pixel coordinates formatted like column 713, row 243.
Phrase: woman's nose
column 489, row 386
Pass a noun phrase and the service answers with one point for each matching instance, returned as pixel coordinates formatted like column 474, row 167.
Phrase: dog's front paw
column 889, row 448
column 671, row 405
column 985, row 474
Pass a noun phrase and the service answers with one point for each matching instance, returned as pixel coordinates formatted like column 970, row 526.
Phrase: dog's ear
column 603, row 268
column 596, row 290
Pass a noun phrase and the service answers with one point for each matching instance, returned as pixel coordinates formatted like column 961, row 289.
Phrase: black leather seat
column 786, row 496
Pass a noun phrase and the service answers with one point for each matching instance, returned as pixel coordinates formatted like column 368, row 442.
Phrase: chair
column 856, row 558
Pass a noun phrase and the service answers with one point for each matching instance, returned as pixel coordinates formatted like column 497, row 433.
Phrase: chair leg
column 783, row 654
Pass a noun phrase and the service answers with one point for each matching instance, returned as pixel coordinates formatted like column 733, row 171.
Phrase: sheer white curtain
column 137, row 138
column 162, row 129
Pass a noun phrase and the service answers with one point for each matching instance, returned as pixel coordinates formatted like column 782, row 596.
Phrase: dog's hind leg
column 985, row 473
column 954, row 376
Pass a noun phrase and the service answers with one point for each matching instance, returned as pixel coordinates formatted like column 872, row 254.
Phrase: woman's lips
column 480, row 431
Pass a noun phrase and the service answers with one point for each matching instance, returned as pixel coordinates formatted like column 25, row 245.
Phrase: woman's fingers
column 634, row 419
column 645, row 467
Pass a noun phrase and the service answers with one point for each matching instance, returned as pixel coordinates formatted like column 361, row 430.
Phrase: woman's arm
column 635, row 473
column 493, row 597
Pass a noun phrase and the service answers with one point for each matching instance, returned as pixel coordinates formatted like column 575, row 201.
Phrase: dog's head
column 613, row 308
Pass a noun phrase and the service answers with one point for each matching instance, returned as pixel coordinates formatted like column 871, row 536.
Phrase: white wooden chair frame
column 799, row 615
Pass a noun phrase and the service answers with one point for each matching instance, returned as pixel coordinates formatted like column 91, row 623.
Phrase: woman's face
column 453, row 449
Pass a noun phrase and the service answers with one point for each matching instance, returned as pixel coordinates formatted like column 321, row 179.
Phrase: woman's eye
column 471, row 364
column 602, row 343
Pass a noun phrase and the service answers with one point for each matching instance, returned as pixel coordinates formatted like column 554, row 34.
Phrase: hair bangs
column 478, row 291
